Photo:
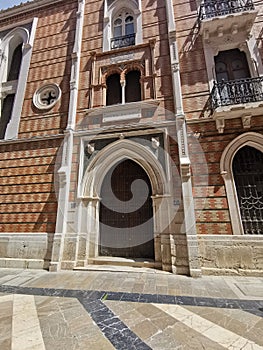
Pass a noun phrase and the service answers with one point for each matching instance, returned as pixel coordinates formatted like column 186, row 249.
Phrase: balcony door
column 231, row 65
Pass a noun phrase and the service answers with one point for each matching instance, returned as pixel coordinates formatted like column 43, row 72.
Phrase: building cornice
column 26, row 7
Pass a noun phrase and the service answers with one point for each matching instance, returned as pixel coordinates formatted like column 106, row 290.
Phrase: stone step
column 113, row 261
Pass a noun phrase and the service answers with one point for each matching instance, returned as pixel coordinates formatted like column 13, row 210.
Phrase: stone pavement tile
column 238, row 321
column 158, row 329
column 210, row 330
column 181, row 337
column 138, row 287
column 6, row 311
column 26, row 332
column 66, row 325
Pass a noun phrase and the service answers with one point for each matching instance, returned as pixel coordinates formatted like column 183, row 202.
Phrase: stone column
column 188, row 202
column 161, row 215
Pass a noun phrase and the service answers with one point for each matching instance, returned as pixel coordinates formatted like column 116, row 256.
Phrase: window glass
column 15, row 63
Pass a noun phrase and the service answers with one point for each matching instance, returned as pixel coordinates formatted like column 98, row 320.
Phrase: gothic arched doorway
column 126, row 213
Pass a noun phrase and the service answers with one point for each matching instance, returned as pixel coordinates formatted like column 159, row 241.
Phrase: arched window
column 248, row 177
column 123, row 30
column 114, row 95
column 122, row 24
column 16, row 51
column 133, row 86
column 15, row 64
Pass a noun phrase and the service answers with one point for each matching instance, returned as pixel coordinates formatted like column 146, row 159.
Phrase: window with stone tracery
column 122, row 24
column 126, row 91
column 123, row 30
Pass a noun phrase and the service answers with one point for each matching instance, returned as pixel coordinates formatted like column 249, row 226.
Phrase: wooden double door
column 126, row 213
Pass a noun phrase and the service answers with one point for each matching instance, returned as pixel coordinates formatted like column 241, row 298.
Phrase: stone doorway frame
column 161, row 197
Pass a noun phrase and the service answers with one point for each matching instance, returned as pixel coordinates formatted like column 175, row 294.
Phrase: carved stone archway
column 161, row 197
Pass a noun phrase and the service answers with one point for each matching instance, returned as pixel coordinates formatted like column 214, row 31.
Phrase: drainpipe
column 188, row 201
column 67, row 151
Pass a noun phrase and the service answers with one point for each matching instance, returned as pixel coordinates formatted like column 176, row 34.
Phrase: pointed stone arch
column 114, row 153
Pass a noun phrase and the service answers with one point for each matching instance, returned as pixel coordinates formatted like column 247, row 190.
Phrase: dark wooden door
column 126, row 222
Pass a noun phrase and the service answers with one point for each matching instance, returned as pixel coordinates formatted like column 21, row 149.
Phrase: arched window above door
column 129, row 90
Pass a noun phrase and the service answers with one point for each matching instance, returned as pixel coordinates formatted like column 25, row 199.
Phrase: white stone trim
column 251, row 139
column 65, row 170
column 188, row 201
column 75, row 66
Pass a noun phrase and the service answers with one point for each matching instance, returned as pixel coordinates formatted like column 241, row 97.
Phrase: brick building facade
column 131, row 133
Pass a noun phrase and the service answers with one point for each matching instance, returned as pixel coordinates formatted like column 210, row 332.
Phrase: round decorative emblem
column 46, row 96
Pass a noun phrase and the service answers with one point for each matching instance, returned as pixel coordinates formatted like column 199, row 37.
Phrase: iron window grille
column 248, row 174
column 123, row 41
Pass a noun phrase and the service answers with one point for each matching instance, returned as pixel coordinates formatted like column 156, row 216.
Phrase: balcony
column 217, row 8
column 237, row 92
column 123, row 41
column 217, row 18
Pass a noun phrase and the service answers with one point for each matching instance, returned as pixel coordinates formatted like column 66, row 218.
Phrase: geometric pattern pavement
column 59, row 318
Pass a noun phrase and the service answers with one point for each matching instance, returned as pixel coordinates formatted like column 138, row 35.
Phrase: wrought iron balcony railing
column 123, row 41
column 211, row 9
column 226, row 93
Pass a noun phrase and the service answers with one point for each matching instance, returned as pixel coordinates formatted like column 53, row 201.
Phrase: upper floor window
column 126, row 91
column 122, row 24
column 16, row 50
column 123, row 30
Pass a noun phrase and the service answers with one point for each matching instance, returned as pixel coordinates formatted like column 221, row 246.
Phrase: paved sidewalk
column 128, row 308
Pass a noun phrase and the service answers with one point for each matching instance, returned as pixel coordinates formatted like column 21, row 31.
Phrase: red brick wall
column 28, row 200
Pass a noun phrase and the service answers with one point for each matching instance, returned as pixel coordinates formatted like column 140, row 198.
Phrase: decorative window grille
column 248, row 175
